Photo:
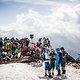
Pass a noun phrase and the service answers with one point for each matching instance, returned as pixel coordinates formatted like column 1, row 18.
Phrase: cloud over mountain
column 64, row 20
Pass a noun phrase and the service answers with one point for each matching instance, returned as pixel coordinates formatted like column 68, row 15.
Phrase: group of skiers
column 10, row 48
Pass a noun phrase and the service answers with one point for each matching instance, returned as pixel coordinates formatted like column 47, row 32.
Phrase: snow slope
column 23, row 71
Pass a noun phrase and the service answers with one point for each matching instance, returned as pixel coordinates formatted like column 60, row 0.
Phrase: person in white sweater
column 47, row 64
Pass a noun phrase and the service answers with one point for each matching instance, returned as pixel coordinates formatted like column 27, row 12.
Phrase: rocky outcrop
column 76, row 65
column 70, row 59
column 78, row 60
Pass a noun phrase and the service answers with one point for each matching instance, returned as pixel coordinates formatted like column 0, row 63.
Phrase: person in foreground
column 47, row 64
column 58, row 61
column 63, row 63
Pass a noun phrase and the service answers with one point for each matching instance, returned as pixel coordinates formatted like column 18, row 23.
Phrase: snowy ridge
column 21, row 71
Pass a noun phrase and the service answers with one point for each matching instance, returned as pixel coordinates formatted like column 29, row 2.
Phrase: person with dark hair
column 44, row 41
column 48, row 42
column 22, row 50
column 52, row 61
column 16, row 51
column 39, row 43
column 63, row 63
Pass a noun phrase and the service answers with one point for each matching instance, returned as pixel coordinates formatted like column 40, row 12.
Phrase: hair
column 62, row 48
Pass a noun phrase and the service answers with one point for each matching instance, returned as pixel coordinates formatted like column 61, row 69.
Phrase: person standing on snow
column 52, row 60
column 58, row 57
column 63, row 63
column 47, row 64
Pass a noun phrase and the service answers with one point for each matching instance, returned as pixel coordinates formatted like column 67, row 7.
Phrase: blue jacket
column 58, row 57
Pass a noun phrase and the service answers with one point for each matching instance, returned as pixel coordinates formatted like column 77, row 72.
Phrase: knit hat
column 57, row 49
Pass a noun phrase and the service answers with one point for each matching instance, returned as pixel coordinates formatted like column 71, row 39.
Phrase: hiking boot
column 53, row 74
column 59, row 73
column 50, row 76
column 64, row 72
column 46, row 75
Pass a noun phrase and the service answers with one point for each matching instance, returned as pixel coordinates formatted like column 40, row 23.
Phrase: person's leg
column 63, row 70
column 58, row 69
column 53, row 71
column 49, row 72
column 46, row 73
column 5, row 60
column 46, row 69
column 53, row 66
column 59, row 72
column 63, row 67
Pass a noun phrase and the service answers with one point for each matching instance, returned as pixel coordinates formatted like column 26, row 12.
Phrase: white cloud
column 63, row 19
column 37, row 2
column 29, row 1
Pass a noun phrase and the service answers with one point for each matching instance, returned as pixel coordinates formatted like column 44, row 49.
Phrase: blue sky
column 8, row 11
column 9, row 8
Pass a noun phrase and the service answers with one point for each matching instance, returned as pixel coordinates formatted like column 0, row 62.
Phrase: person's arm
column 66, row 54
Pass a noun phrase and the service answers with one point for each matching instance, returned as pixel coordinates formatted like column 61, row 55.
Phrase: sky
column 41, row 17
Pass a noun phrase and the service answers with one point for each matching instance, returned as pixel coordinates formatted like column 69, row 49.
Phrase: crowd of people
column 53, row 58
column 10, row 48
